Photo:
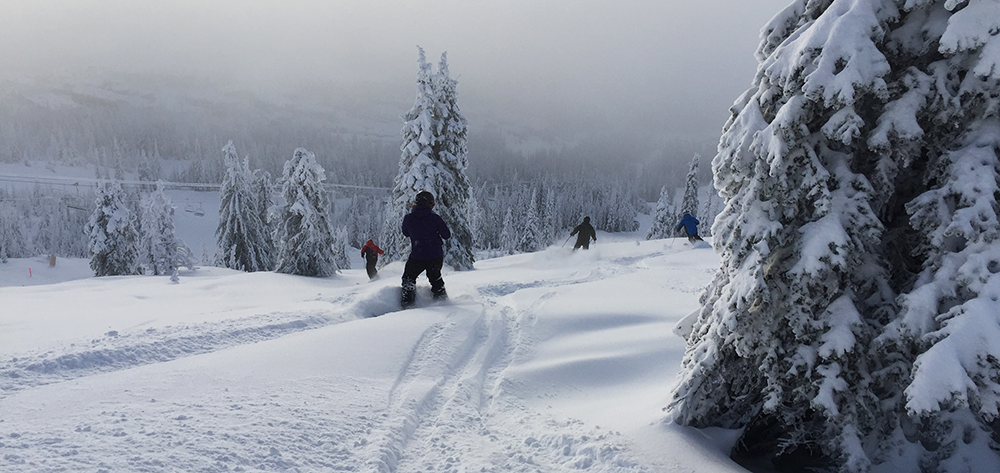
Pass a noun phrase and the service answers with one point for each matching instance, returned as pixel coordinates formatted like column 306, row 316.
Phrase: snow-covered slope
column 551, row 361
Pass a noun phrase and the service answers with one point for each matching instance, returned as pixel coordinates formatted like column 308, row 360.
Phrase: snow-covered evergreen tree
column 365, row 217
column 455, row 190
column 15, row 242
column 304, row 237
column 340, row 248
column 710, row 208
column 620, row 211
column 6, row 236
column 853, row 321
column 114, row 233
column 148, row 167
column 392, row 241
column 508, row 234
column 263, row 188
column 531, row 233
column 242, row 238
column 158, row 244
column 356, row 222
column 434, row 159
column 945, row 117
column 550, row 217
column 690, row 203
column 663, row 218
column 476, row 215
column 33, row 222
column 46, row 227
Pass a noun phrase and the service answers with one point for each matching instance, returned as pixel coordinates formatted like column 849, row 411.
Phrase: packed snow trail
column 552, row 361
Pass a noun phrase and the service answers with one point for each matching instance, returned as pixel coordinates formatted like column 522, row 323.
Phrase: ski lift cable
column 197, row 186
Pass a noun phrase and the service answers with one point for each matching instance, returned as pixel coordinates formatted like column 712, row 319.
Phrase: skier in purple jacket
column 426, row 231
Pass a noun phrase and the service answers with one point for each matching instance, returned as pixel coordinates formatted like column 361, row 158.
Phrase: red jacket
column 370, row 244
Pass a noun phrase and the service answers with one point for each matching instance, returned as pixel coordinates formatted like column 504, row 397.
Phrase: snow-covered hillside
column 550, row 361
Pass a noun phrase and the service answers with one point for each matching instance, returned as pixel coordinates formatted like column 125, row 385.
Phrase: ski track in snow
column 449, row 404
column 117, row 351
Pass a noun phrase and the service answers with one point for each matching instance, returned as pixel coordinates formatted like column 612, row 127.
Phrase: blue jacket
column 426, row 230
column 689, row 223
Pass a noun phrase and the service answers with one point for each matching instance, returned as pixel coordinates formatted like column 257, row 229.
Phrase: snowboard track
column 439, row 427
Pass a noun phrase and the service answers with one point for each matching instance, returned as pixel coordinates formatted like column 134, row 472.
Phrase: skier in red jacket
column 370, row 252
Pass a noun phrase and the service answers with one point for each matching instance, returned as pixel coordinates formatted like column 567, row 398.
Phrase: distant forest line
column 114, row 127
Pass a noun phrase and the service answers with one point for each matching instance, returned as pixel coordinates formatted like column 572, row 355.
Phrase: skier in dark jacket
column 370, row 252
column 690, row 225
column 584, row 232
column 426, row 231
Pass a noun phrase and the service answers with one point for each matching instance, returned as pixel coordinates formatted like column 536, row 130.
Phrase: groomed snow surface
column 551, row 361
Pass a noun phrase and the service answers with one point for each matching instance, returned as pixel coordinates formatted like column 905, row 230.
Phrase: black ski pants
column 371, row 259
column 692, row 237
column 416, row 266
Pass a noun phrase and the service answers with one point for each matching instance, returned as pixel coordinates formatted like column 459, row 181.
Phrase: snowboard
column 423, row 297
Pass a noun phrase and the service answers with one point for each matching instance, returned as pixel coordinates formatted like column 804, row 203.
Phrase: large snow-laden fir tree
column 433, row 159
column 114, row 233
column 951, row 314
column 860, row 167
column 304, row 238
column 241, row 236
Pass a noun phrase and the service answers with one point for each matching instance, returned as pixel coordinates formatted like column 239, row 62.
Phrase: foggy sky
column 663, row 66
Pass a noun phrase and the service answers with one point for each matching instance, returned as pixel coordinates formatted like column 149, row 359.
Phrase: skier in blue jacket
column 426, row 231
column 690, row 225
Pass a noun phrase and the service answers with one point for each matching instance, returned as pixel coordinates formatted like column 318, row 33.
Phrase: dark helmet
column 586, row 219
column 425, row 199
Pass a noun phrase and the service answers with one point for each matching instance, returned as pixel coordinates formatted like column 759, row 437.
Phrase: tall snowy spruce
column 853, row 324
column 11, row 235
column 433, row 159
column 531, row 234
column 689, row 205
column 262, row 188
column 304, row 238
column 664, row 219
column 508, row 234
column 158, row 244
column 114, row 233
column 551, row 217
column 243, row 242
column 4, row 238
column 340, row 248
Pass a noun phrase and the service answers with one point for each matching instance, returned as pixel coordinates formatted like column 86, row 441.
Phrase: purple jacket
column 426, row 230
